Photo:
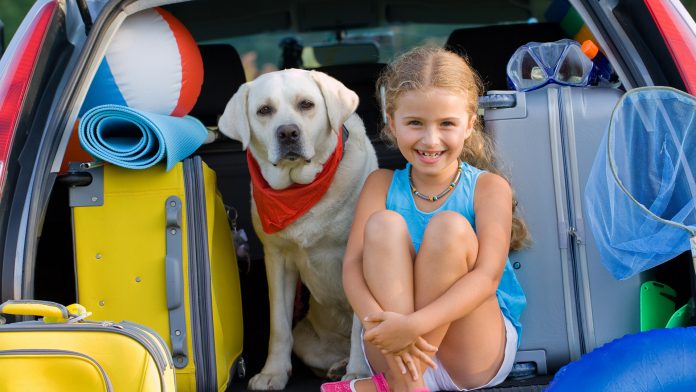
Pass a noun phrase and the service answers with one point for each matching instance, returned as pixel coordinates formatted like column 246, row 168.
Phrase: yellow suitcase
column 156, row 247
column 66, row 353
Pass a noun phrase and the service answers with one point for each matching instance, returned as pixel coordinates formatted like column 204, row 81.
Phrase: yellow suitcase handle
column 51, row 312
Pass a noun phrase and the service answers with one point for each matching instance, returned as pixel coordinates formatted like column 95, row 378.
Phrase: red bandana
column 279, row 208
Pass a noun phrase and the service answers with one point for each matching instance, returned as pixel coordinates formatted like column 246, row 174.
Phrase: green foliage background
column 11, row 13
column 690, row 6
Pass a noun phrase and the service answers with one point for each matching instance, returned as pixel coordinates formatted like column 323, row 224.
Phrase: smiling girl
column 426, row 268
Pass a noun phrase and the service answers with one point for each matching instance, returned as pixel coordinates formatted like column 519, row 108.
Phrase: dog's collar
column 279, row 208
column 344, row 138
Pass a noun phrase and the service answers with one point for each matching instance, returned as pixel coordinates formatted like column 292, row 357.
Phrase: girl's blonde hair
column 424, row 67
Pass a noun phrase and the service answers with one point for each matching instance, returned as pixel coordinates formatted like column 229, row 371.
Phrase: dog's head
column 285, row 116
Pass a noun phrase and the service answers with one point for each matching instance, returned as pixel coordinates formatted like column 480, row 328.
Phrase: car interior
column 351, row 41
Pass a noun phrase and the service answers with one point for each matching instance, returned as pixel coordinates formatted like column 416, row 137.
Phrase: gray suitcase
column 547, row 140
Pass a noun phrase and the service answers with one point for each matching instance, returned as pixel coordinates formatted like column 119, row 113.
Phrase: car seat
column 223, row 73
column 361, row 78
column 489, row 48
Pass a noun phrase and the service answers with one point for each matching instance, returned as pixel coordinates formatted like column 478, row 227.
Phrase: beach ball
column 152, row 64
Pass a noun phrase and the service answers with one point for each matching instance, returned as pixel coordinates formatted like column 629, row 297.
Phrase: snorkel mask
column 535, row 65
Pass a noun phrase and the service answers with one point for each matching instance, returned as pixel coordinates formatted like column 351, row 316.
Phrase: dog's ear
column 340, row 101
column 234, row 122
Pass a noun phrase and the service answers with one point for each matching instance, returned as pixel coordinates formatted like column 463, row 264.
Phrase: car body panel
column 649, row 42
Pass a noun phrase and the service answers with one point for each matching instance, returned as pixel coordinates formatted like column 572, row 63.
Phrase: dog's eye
column 264, row 110
column 306, row 105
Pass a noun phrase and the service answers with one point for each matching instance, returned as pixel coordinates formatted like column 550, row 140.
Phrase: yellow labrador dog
column 308, row 156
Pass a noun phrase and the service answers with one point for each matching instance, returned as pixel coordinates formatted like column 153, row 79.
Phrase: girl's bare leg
column 470, row 349
column 388, row 269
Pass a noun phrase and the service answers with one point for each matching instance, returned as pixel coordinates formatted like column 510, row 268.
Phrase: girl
column 426, row 266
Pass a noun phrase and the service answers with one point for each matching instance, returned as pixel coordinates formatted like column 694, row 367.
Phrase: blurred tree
column 11, row 13
column 690, row 6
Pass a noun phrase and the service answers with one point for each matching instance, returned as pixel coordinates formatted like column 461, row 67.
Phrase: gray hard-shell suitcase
column 547, row 140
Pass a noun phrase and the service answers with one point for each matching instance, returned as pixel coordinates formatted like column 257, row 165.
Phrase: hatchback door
column 32, row 84
column 649, row 42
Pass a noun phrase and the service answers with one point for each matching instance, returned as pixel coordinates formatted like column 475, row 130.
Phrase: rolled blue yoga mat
column 135, row 139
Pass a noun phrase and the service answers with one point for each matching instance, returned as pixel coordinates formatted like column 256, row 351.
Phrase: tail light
column 16, row 70
column 678, row 31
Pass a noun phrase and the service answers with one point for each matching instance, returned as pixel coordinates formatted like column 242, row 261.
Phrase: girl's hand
column 420, row 351
column 392, row 334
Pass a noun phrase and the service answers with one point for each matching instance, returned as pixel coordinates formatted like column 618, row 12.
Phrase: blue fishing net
column 650, row 152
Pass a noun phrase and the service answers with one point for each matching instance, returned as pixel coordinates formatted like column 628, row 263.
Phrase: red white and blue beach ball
column 152, row 64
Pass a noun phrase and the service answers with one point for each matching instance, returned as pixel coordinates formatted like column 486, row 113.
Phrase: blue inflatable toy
column 660, row 360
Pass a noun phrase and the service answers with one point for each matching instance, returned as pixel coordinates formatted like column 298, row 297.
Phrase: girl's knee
column 384, row 223
column 387, row 242
column 450, row 224
column 449, row 237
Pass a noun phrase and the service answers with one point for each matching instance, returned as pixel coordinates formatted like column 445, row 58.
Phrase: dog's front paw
column 356, row 369
column 268, row 381
column 353, row 376
column 337, row 370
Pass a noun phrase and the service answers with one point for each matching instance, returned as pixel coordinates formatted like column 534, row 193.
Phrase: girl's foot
column 376, row 383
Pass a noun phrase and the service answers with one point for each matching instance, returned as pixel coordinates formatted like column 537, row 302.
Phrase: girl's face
column 430, row 127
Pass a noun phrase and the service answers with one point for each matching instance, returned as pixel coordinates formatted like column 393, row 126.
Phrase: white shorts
column 439, row 380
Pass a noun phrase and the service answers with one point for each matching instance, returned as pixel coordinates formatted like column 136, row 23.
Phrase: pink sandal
column 349, row 385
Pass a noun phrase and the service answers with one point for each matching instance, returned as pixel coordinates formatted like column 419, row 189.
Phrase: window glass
column 263, row 53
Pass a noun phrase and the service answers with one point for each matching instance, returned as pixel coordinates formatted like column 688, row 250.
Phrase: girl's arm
column 372, row 199
column 493, row 211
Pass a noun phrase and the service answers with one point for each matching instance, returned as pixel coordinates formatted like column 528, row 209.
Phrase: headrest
column 361, row 78
column 224, row 73
column 489, row 48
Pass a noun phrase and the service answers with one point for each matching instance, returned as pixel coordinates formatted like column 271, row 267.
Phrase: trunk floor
column 304, row 380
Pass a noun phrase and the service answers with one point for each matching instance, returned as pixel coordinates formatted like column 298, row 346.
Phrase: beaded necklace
column 435, row 198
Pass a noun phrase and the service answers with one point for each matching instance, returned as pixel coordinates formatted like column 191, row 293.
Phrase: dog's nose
column 288, row 133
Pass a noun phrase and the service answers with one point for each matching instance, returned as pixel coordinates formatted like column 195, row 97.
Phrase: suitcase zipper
column 565, row 120
column 49, row 352
column 578, row 235
column 199, row 275
column 138, row 332
column 165, row 357
column 568, row 271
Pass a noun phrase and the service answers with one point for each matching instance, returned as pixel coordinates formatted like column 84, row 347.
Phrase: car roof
column 211, row 19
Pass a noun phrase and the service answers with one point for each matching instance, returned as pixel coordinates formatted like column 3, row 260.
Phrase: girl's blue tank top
column 510, row 296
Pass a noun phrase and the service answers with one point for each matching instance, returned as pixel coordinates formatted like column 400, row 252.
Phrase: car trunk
column 49, row 272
